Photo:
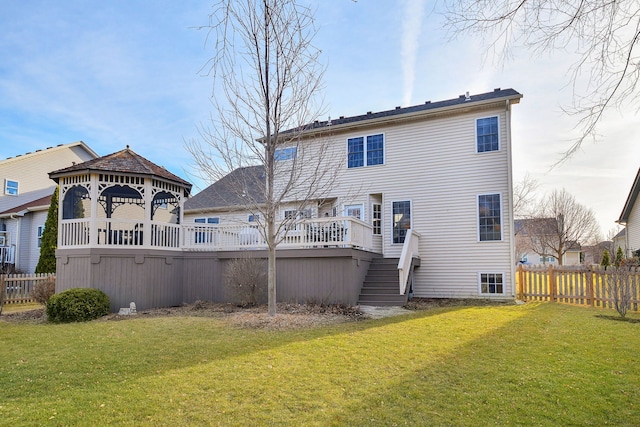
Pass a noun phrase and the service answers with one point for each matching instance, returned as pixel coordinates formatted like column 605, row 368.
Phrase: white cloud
column 411, row 28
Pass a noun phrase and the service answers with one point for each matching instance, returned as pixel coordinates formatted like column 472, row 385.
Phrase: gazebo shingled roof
column 125, row 161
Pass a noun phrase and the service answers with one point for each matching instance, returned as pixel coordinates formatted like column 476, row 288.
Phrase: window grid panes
column 356, row 152
column 360, row 154
column 401, row 220
column 489, row 218
column 376, row 216
column 491, row 283
column 487, row 133
column 375, row 150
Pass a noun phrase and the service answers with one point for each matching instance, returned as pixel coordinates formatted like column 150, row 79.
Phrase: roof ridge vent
column 497, row 89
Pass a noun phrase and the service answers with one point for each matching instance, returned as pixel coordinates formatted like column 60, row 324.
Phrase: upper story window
column 210, row 220
column 489, row 217
column 365, row 151
column 254, row 217
column 487, row 133
column 288, row 153
column 10, row 187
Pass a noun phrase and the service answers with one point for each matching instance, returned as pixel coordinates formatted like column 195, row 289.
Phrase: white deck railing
column 409, row 251
column 307, row 233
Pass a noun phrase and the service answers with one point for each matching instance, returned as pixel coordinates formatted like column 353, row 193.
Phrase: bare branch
column 605, row 34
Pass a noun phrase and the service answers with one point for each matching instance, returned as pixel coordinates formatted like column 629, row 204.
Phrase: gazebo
column 120, row 200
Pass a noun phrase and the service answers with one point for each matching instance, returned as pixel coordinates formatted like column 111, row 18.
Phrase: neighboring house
column 630, row 219
column 533, row 241
column 25, row 199
column 441, row 169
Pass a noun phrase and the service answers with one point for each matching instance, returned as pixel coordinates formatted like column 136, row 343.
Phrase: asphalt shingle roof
column 125, row 161
column 228, row 191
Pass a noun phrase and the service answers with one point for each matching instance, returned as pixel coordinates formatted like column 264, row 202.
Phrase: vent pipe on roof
column 467, row 97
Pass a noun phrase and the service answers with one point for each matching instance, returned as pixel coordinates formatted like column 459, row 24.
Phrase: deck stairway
column 380, row 287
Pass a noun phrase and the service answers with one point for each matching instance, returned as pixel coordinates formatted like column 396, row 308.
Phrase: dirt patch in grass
column 289, row 316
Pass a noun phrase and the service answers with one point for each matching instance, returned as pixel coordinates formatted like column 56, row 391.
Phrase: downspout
column 512, row 254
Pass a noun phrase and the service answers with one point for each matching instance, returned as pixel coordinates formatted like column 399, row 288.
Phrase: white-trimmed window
column 11, row 187
column 401, row 212
column 487, row 134
column 489, row 217
column 296, row 214
column 39, row 234
column 376, row 218
column 287, row 153
column 210, row 220
column 491, row 283
column 365, row 151
column 354, row 211
column 254, row 217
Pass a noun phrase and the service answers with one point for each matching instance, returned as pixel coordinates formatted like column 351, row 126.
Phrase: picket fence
column 577, row 285
column 16, row 288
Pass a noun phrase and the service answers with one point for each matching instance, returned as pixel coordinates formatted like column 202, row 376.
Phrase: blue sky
column 123, row 73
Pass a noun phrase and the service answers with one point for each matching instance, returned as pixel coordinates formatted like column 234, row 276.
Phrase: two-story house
column 441, row 169
column 25, row 199
column 422, row 205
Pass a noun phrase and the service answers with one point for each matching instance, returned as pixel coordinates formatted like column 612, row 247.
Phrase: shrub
column 43, row 290
column 247, row 278
column 77, row 305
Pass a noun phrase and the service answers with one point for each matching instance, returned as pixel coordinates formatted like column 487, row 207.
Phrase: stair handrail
column 410, row 250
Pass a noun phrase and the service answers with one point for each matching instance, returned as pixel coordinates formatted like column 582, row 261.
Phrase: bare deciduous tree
column 560, row 223
column 621, row 285
column 266, row 75
column 524, row 197
column 605, row 35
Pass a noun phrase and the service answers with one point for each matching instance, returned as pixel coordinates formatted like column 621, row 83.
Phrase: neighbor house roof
column 125, row 161
column 49, row 149
column 631, row 200
column 400, row 113
column 240, row 187
column 33, row 205
column 549, row 225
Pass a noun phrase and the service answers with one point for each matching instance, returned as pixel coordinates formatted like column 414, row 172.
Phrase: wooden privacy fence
column 593, row 286
column 16, row 288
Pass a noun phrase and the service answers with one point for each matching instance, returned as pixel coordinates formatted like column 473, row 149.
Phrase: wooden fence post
column 590, row 284
column 552, row 284
column 520, row 292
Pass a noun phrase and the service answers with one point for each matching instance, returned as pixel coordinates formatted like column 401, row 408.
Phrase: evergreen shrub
column 78, row 305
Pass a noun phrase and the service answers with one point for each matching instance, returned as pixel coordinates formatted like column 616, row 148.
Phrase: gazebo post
column 148, row 210
column 93, row 220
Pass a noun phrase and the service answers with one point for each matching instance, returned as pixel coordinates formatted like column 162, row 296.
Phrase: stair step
column 380, row 287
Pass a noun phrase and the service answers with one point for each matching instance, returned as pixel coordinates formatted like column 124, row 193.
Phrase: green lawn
column 537, row 364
